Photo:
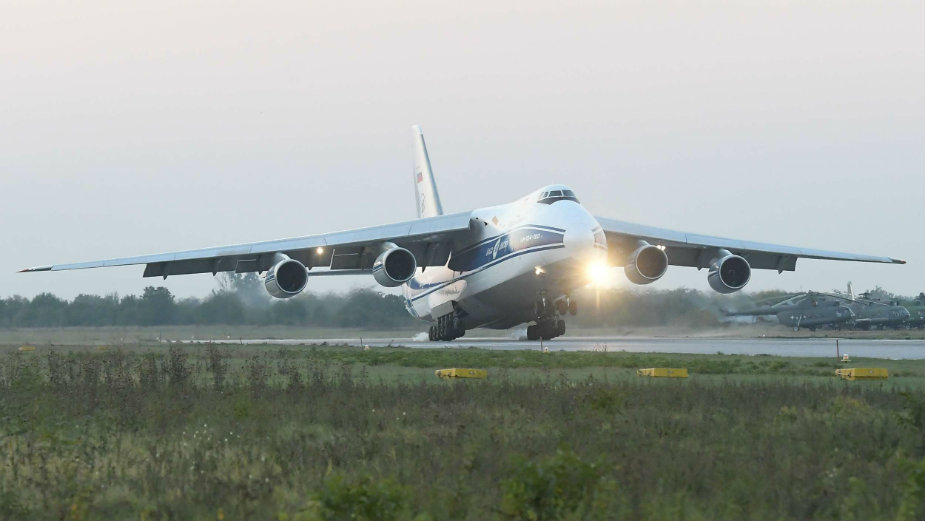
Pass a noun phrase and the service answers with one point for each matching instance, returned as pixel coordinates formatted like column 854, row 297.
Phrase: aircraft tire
column 441, row 328
column 572, row 307
column 560, row 328
column 548, row 330
column 533, row 333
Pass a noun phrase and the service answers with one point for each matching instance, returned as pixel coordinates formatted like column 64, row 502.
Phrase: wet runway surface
column 808, row 347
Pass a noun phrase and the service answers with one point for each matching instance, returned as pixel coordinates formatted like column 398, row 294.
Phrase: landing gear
column 547, row 325
column 448, row 327
column 546, row 330
column 567, row 305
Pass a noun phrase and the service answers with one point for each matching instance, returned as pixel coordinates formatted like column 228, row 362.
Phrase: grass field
column 251, row 432
column 137, row 335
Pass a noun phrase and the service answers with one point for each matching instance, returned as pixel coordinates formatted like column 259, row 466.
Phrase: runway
column 807, row 347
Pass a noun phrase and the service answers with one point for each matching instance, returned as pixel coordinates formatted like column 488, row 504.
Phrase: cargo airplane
column 493, row 267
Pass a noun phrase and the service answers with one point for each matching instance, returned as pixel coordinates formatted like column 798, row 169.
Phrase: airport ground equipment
column 663, row 372
column 494, row 267
column 863, row 373
column 459, row 372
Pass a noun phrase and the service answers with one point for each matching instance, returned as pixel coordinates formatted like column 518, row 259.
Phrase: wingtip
column 417, row 130
column 36, row 268
column 897, row 261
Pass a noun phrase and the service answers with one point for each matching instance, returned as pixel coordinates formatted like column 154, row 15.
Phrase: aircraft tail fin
column 428, row 200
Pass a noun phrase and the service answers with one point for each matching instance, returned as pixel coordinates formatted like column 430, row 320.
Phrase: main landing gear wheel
column 448, row 327
column 547, row 330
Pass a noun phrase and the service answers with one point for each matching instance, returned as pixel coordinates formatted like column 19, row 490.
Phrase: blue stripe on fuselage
column 440, row 285
column 494, row 250
column 520, row 238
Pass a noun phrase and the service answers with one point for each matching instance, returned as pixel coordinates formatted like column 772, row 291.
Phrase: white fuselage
column 513, row 254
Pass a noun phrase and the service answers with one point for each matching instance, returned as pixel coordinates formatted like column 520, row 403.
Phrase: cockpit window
column 556, row 195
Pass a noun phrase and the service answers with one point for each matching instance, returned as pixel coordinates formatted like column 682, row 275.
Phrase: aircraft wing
column 690, row 249
column 430, row 240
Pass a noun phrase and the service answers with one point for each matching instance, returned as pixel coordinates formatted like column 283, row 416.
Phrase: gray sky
column 140, row 127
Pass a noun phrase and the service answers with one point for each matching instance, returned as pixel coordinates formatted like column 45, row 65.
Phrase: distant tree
column 92, row 310
column 220, row 308
column 128, row 311
column 289, row 312
column 10, row 309
column 368, row 308
column 43, row 311
column 156, row 307
column 246, row 286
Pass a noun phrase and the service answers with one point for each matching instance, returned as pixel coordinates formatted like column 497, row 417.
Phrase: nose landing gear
column 548, row 325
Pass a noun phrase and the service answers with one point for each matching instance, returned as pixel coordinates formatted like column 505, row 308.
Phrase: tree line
column 366, row 308
column 157, row 307
column 243, row 301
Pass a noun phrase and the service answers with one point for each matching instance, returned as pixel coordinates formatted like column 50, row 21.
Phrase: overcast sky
column 140, row 127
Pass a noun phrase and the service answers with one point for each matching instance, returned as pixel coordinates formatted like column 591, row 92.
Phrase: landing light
column 598, row 274
column 539, row 270
column 319, row 250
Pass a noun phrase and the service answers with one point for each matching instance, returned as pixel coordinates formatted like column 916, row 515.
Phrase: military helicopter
column 871, row 312
column 916, row 309
column 810, row 310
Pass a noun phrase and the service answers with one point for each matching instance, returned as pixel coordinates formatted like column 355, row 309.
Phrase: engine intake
column 394, row 266
column 286, row 279
column 646, row 265
column 729, row 273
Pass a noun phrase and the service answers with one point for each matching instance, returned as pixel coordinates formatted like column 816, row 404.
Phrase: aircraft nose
column 579, row 242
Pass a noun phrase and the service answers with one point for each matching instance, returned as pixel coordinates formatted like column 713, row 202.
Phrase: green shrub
column 366, row 499
column 558, row 487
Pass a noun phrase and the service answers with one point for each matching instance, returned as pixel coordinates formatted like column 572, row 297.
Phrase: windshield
column 556, row 195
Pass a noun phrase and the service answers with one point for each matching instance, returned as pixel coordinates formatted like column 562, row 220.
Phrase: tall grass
column 314, row 435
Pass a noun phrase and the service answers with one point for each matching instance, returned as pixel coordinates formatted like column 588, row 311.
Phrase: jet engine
column 287, row 278
column 394, row 266
column 646, row 265
column 729, row 273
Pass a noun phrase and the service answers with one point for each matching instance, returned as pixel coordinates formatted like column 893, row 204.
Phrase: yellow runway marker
column 663, row 372
column 863, row 373
column 461, row 373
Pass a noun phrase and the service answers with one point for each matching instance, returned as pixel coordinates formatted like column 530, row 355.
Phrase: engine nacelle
column 394, row 266
column 729, row 273
column 286, row 279
column 646, row 265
